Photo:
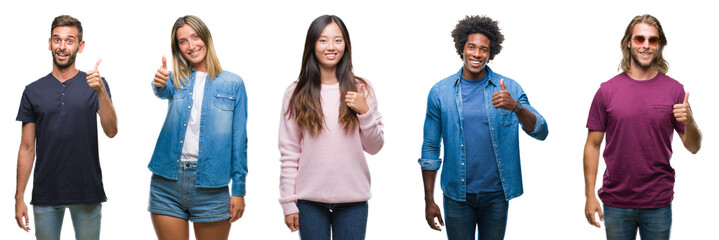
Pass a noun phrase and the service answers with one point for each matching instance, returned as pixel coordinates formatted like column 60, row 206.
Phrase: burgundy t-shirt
column 638, row 119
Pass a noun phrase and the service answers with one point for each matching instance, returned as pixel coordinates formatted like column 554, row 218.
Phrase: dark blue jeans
column 622, row 223
column 345, row 221
column 484, row 211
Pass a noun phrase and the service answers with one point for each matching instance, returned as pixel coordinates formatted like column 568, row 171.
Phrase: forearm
column 527, row 118
column 428, row 179
column 371, row 133
column 25, row 158
column 591, row 162
column 692, row 137
column 108, row 118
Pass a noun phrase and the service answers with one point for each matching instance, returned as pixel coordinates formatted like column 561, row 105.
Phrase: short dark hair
column 478, row 24
column 67, row 21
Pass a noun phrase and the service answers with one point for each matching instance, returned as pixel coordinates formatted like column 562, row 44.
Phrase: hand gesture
column 356, row 101
column 162, row 75
column 21, row 214
column 293, row 221
column 93, row 78
column 503, row 99
column 683, row 112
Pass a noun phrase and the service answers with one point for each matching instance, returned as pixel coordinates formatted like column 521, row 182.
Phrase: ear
column 81, row 46
column 49, row 44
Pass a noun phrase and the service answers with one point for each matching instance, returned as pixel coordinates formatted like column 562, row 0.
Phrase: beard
column 70, row 60
column 639, row 64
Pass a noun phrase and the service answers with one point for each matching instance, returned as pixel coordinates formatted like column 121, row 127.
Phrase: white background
column 559, row 51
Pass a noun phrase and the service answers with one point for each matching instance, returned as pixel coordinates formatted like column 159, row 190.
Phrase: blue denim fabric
column 443, row 123
column 345, row 221
column 622, row 223
column 86, row 219
column 486, row 211
column 181, row 199
column 223, row 135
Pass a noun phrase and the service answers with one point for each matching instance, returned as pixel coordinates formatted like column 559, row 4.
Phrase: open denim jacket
column 223, row 132
column 443, row 123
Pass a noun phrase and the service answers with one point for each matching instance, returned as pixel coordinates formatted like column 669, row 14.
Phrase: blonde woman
column 202, row 146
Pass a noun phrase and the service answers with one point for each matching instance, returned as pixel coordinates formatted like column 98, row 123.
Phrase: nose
column 331, row 46
column 474, row 53
column 645, row 44
column 192, row 45
column 63, row 45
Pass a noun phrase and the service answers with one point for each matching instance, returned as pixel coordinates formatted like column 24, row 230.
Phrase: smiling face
column 644, row 52
column 475, row 56
column 330, row 46
column 64, row 46
column 192, row 47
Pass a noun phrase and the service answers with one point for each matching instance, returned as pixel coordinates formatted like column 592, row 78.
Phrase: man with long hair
column 639, row 110
column 59, row 122
column 476, row 113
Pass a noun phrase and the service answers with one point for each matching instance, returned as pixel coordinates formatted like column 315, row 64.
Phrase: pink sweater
column 329, row 167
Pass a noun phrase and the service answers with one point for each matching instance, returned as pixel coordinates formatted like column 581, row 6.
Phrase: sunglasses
column 653, row 41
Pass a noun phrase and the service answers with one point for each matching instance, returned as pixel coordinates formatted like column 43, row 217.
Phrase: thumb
column 164, row 62
column 686, row 98
column 97, row 64
column 361, row 89
column 501, row 84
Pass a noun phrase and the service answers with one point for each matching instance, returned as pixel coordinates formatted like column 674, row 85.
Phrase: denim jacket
column 223, row 134
column 443, row 123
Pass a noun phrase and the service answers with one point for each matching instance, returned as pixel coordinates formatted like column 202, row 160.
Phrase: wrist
column 590, row 195
column 517, row 107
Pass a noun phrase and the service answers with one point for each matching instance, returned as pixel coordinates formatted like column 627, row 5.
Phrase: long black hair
column 305, row 104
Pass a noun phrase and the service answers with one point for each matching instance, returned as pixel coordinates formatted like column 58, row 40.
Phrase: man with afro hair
column 476, row 113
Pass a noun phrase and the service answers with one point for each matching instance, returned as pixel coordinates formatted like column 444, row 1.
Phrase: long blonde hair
column 180, row 65
column 659, row 63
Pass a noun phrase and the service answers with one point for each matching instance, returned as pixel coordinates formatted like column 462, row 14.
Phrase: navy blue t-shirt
column 482, row 170
column 67, row 169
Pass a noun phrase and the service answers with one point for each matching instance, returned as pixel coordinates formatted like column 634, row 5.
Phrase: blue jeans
column 347, row 221
column 486, row 211
column 622, row 223
column 85, row 220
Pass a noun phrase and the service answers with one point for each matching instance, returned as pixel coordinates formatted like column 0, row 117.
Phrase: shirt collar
column 490, row 73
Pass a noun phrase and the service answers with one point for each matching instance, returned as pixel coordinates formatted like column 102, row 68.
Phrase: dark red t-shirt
column 638, row 119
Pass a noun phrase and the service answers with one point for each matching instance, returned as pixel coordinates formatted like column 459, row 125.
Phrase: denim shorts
column 180, row 198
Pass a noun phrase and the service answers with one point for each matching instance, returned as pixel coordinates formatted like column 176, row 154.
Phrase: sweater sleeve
column 371, row 125
column 289, row 140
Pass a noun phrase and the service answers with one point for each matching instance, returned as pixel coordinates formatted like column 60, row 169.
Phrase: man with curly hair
column 639, row 110
column 476, row 113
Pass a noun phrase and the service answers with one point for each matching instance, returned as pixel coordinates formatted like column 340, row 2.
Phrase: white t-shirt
column 192, row 137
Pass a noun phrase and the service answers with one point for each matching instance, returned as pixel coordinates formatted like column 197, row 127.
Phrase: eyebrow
column 58, row 35
column 479, row 45
column 325, row 36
